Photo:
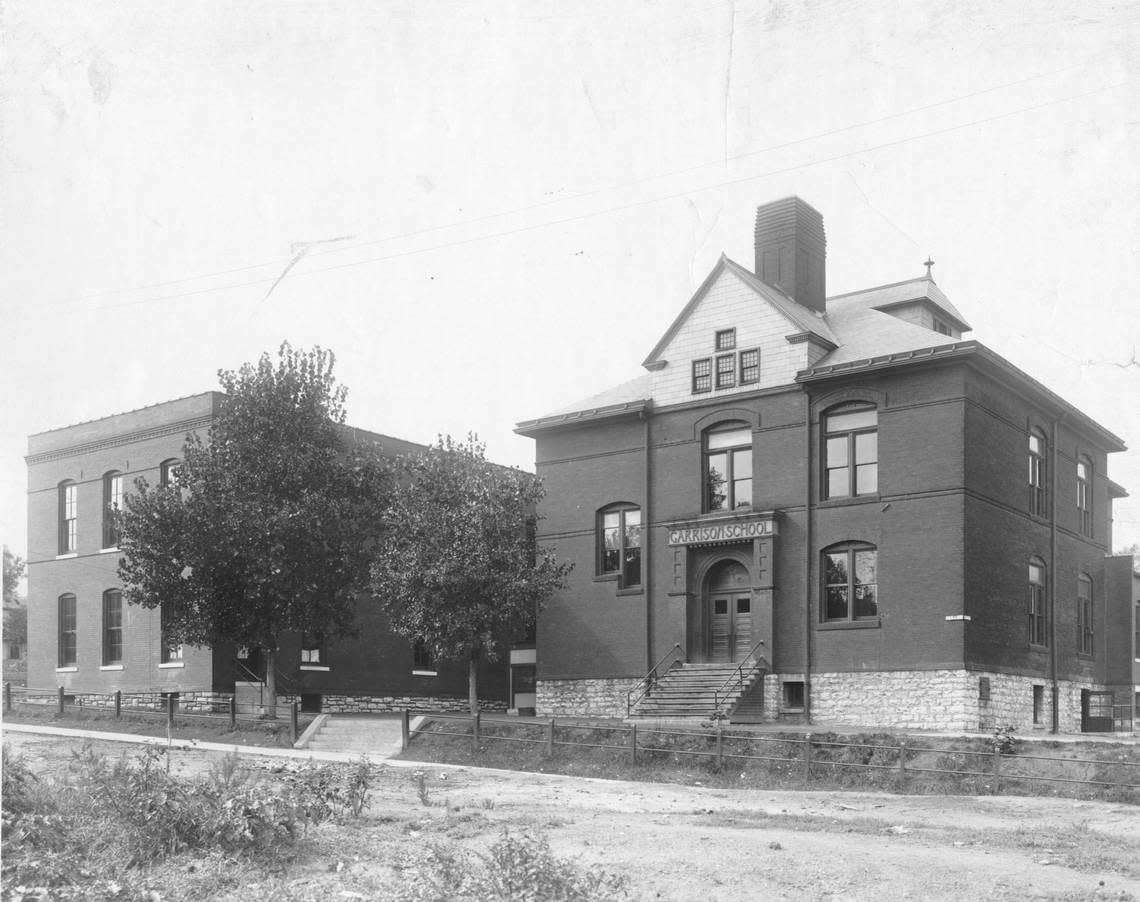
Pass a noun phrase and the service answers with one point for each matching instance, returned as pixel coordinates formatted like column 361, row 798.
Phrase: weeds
column 1004, row 742
column 420, row 779
column 517, row 868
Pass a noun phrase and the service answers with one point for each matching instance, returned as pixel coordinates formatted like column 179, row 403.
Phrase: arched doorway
column 727, row 601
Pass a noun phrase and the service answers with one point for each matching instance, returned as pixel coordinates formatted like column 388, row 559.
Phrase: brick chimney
column 791, row 250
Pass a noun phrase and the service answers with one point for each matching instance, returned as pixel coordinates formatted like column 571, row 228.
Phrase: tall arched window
column 727, row 467
column 1038, row 612
column 68, row 514
column 66, row 627
column 1084, row 495
column 112, row 503
column 112, row 627
column 1084, row 614
column 850, row 582
column 1038, row 499
column 619, row 543
column 851, row 450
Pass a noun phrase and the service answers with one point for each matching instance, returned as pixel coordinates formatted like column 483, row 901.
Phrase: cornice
column 115, row 441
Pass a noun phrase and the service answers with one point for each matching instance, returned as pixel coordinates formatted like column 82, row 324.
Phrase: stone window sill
column 111, row 667
column 71, row 669
column 170, row 664
column 632, row 590
column 319, row 667
column 849, row 625
column 70, row 554
column 425, row 673
column 108, row 550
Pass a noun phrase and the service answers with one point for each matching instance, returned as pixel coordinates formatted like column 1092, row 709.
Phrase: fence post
column 233, row 712
column 293, row 723
column 405, row 731
column 633, row 743
column 807, row 756
column 997, row 771
column 61, row 700
column 170, row 711
column 902, row 760
column 475, row 732
column 118, row 703
column 719, row 742
column 550, row 739
column 7, row 697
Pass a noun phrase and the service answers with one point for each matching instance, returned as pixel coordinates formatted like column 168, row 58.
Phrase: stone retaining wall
column 583, row 698
column 386, row 704
column 188, row 702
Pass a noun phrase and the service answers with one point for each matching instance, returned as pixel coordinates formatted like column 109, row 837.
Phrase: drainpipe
column 646, row 543
column 1053, row 465
column 809, row 606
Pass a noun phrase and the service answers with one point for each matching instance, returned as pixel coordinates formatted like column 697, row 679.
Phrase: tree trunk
column 271, row 683
column 472, row 686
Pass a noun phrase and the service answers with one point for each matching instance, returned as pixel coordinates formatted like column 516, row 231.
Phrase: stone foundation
column 944, row 700
column 387, row 704
column 583, row 698
column 188, row 702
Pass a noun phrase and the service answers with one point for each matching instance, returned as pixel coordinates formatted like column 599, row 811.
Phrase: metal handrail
column 645, row 685
column 737, row 677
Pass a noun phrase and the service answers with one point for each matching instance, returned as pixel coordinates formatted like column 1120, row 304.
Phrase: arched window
column 112, row 627
column 619, row 543
column 1084, row 495
column 851, row 450
column 850, row 582
column 112, row 503
column 1038, row 612
column 68, row 513
column 727, row 466
column 66, row 626
column 1084, row 614
column 1038, row 499
column 169, row 472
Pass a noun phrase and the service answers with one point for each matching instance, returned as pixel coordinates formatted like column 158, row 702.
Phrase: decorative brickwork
column 583, row 698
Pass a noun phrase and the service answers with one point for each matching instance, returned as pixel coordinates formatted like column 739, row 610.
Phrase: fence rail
column 165, row 707
column 805, row 755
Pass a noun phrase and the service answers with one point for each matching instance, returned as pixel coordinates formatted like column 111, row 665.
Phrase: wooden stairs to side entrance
column 704, row 691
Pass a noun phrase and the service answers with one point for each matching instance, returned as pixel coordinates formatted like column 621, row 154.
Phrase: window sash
column 68, row 518
column 850, row 584
column 725, row 339
column 749, row 366
column 67, row 623
column 621, row 545
column 112, row 627
column 702, row 375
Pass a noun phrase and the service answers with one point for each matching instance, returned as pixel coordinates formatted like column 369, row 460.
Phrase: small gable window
column 702, row 375
column 750, row 366
column 726, row 339
column 726, row 371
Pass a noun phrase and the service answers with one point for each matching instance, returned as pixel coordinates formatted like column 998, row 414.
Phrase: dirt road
column 713, row 845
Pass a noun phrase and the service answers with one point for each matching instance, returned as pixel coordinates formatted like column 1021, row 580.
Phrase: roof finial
column 928, row 264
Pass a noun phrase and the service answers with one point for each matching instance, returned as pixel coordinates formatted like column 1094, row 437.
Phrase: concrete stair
column 375, row 735
column 688, row 691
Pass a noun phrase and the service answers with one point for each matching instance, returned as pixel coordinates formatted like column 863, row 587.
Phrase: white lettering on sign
column 721, row 532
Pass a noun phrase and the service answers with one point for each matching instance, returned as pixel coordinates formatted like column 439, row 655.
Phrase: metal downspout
column 1053, row 465
column 809, row 607
column 646, row 544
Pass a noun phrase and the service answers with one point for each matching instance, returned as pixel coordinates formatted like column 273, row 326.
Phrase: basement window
column 793, row 695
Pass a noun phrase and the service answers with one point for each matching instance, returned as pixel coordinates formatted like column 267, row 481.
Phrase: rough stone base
column 583, row 698
column 188, row 702
column 944, row 700
column 386, row 704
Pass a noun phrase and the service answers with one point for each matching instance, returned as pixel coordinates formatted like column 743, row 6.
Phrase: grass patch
column 764, row 760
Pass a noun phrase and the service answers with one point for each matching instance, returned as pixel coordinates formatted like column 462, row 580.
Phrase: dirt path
column 713, row 845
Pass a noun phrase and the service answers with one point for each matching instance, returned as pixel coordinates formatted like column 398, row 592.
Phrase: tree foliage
column 460, row 570
column 12, row 574
column 271, row 524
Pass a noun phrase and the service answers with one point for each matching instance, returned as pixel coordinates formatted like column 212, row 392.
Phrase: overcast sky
column 488, row 210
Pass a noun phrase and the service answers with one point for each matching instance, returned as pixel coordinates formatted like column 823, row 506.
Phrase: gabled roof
column 798, row 316
column 629, row 397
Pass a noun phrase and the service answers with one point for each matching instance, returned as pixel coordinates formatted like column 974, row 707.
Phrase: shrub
column 1004, row 742
column 517, row 869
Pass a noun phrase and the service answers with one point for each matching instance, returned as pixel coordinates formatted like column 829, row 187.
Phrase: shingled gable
column 802, row 320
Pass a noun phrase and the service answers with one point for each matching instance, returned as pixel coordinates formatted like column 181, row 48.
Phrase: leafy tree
column 459, row 570
column 269, row 527
column 13, row 573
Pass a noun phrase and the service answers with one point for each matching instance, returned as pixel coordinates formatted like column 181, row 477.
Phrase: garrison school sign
column 711, row 533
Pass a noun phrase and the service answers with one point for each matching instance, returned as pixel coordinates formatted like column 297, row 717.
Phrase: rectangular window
column 1038, row 704
column 750, row 366
column 68, row 513
column 941, row 328
column 851, row 451
column 171, row 652
column 725, row 339
column 1085, row 615
column 421, row 656
column 851, row 582
column 726, row 371
column 1084, row 497
column 1038, row 614
column 702, row 375
column 67, row 651
column 310, row 651
column 112, row 503
column 793, row 694
column 1037, row 497
column 620, row 545
column 112, row 627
